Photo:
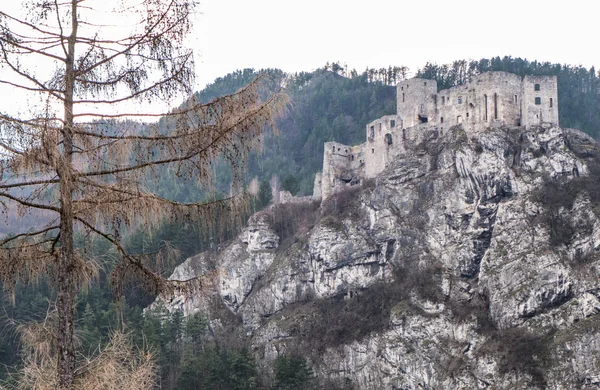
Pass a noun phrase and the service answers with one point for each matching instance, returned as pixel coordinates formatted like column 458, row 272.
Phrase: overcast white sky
column 304, row 35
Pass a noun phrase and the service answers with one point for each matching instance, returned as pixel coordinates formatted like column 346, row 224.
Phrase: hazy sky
column 304, row 35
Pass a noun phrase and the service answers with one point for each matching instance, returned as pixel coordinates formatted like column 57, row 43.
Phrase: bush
column 291, row 184
column 342, row 202
column 519, row 351
column 265, row 195
column 557, row 194
column 333, row 222
column 345, row 318
column 289, row 219
column 218, row 369
column 292, row 373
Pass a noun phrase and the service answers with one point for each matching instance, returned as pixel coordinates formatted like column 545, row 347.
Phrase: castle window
column 442, row 119
column 538, row 101
column 392, row 123
column 352, row 157
column 388, row 139
column 372, row 150
column 443, row 100
column 380, row 127
column 536, row 87
column 334, row 148
column 485, row 98
column 515, row 98
column 402, row 88
column 467, row 114
column 425, row 83
column 402, row 97
column 550, row 102
column 372, row 133
column 460, row 100
column 495, row 106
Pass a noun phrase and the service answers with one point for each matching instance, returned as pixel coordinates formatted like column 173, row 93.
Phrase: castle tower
column 540, row 101
column 416, row 101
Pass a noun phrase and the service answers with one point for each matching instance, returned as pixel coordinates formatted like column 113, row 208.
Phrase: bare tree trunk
column 66, row 285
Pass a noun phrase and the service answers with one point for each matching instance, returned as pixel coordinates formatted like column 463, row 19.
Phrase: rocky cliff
column 470, row 263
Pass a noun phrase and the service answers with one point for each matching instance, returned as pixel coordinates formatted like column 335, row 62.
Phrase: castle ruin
column 488, row 100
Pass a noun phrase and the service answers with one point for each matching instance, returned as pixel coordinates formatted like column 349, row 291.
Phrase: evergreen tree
column 291, row 184
column 265, row 195
column 291, row 373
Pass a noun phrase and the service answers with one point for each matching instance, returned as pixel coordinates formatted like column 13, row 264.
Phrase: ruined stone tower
column 488, row 100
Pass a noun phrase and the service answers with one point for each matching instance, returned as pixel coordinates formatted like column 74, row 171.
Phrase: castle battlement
column 488, row 100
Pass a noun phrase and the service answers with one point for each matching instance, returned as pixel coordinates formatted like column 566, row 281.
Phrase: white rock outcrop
column 461, row 269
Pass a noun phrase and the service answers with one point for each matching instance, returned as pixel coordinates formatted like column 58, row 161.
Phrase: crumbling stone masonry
column 488, row 100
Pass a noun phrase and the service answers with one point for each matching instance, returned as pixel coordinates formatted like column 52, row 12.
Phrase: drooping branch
column 27, row 76
column 25, row 262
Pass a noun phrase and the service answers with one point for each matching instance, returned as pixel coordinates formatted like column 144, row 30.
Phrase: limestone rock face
column 472, row 263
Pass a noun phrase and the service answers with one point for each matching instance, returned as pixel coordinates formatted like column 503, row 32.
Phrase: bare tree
column 69, row 157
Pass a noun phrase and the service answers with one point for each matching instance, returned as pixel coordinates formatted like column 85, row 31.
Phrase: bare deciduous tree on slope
column 84, row 64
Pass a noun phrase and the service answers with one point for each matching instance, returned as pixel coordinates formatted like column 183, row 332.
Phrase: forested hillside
column 334, row 104
column 329, row 104
column 325, row 106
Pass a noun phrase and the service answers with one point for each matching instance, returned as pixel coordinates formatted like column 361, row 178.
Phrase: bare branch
column 27, row 235
column 27, row 88
column 27, row 183
column 213, row 145
column 129, row 47
column 29, row 204
column 134, row 264
column 31, row 26
column 136, row 94
column 60, row 27
column 28, row 76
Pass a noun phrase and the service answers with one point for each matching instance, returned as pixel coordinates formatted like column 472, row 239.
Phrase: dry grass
column 118, row 366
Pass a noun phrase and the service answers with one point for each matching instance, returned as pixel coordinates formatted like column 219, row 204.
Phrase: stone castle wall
column 342, row 165
column 380, row 146
column 415, row 100
column 542, row 101
column 487, row 100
